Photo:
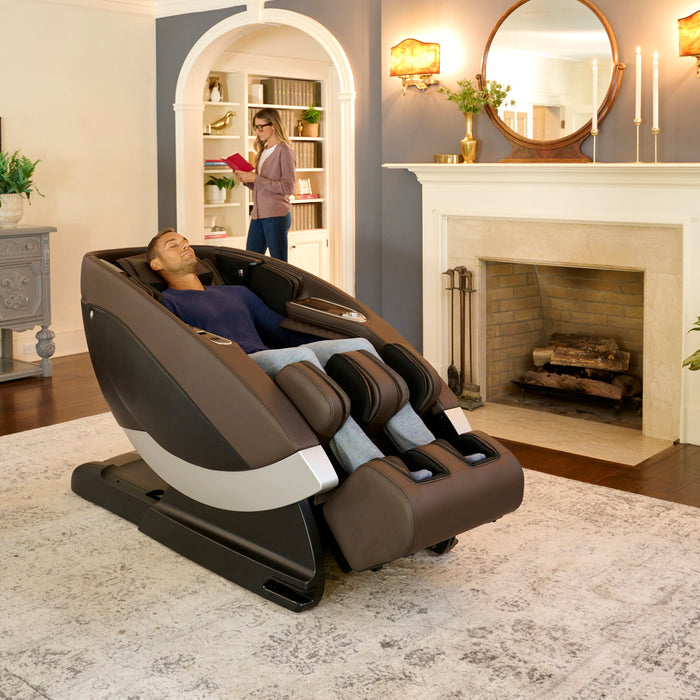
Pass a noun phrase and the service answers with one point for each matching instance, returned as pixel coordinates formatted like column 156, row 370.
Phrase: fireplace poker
column 471, row 393
column 453, row 380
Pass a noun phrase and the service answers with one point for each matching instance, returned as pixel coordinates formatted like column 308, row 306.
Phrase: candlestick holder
column 637, row 123
column 594, row 134
column 655, row 130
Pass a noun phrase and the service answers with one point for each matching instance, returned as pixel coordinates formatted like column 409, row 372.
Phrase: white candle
column 638, row 86
column 594, row 120
column 655, row 91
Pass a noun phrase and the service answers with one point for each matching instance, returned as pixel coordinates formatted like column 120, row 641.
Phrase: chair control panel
column 217, row 339
column 331, row 308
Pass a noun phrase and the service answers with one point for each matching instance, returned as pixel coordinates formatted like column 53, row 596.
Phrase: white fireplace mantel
column 664, row 194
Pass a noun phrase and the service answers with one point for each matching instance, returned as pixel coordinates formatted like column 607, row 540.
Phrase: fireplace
column 531, row 306
column 630, row 218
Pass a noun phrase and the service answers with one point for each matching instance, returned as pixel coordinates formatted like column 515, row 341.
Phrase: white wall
column 77, row 90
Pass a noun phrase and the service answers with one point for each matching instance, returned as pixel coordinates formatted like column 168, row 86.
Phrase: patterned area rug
column 584, row 592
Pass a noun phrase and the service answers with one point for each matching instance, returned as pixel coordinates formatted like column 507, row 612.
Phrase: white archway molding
column 188, row 122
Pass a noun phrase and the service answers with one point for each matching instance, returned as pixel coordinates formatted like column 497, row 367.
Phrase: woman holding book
column 272, row 182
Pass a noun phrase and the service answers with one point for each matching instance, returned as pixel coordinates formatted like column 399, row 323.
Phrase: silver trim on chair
column 459, row 420
column 292, row 479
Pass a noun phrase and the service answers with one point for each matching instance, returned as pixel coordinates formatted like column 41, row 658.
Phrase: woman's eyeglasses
column 260, row 127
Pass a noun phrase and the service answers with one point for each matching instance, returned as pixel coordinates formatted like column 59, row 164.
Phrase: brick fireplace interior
column 527, row 303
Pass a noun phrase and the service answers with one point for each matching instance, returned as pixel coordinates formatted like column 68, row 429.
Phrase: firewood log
column 576, row 384
column 582, row 342
column 541, row 356
column 610, row 360
column 630, row 384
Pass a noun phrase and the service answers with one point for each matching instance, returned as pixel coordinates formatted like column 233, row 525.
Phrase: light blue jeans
column 350, row 444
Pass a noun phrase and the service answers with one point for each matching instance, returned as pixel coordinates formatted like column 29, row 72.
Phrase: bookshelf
column 244, row 93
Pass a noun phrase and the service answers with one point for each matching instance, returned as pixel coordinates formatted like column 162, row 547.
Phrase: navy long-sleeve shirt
column 233, row 312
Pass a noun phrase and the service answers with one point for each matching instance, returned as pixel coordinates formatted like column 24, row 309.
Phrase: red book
column 238, row 162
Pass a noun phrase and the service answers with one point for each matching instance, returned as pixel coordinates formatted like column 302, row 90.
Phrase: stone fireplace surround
column 624, row 216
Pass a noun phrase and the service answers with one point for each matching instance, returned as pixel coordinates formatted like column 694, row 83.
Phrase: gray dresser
column 25, row 297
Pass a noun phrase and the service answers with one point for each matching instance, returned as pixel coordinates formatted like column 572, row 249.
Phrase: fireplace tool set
column 459, row 280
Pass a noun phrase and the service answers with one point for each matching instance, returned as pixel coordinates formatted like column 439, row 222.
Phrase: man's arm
column 267, row 323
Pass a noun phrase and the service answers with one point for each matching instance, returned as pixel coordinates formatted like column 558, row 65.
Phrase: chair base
column 276, row 554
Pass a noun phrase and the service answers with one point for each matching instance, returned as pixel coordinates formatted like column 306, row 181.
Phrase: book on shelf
column 308, row 154
column 211, row 163
column 306, row 216
column 303, row 189
column 214, row 233
column 286, row 91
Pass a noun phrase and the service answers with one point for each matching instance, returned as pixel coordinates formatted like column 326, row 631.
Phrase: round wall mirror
column 545, row 50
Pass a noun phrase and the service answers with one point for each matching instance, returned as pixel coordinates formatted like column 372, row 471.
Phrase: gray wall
column 175, row 36
column 393, row 128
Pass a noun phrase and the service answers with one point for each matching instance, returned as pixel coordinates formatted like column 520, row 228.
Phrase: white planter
column 11, row 209
column 215, row 195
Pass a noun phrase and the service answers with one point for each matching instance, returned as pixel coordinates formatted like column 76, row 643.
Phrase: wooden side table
column 25, row 297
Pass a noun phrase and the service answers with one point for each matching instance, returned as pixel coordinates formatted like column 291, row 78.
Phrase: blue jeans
column 270, row 232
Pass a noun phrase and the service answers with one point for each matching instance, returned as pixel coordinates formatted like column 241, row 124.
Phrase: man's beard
column 188, row 264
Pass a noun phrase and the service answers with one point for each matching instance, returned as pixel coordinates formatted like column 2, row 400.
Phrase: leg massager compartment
column 381, row 512
column 375, row 390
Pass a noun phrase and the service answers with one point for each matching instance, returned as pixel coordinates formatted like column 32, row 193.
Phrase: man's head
column 170, row 255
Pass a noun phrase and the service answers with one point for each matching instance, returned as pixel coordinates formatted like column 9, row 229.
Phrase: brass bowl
column 448, row 158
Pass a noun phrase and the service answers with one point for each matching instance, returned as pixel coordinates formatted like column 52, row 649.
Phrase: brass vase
column 469, row 144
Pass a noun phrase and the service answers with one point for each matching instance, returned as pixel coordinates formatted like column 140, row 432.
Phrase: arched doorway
column 188, row 127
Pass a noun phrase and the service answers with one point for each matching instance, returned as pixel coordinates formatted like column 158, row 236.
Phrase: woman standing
column 272, row 182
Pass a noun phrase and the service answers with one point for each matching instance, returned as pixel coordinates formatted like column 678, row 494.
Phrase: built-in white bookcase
column 289, row 93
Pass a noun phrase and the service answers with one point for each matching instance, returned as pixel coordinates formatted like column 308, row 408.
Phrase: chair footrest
column 381, row 512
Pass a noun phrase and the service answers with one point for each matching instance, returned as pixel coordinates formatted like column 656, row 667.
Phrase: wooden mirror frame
column 567, row 148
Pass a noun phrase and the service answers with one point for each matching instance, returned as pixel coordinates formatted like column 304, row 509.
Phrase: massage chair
column 232, row 468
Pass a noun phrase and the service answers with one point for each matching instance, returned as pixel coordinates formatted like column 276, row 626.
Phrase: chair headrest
column 137, row 266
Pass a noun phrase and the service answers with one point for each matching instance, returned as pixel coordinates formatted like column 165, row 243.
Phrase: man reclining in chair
column 236, row 313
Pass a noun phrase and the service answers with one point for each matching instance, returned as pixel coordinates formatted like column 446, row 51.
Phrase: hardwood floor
column 73, row 392
column 672, row 475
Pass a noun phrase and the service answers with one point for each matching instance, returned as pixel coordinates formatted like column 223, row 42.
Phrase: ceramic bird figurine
column 222, row 123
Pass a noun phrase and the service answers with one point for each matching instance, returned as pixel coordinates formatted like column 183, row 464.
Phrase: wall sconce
column 415, row 62
column 689, row 37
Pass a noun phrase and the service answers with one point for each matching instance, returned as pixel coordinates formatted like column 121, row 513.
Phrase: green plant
column 473, row 99
column 221, row 182
column 693, row 362
column 311, row 115
column 16, row 174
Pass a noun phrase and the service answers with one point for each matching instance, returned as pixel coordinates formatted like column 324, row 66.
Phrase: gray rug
column 584, row 592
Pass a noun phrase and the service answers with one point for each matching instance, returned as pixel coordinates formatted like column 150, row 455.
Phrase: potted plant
column 471, row 100
column 310, row 117
column 693, row 361
column 15, row 184
column 217, row 187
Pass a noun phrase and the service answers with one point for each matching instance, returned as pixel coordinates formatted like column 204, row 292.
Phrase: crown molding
column 170, row 8
column 159, row 8
column 132, row 7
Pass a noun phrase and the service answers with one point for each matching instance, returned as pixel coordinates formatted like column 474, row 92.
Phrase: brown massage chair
column 231, row 468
